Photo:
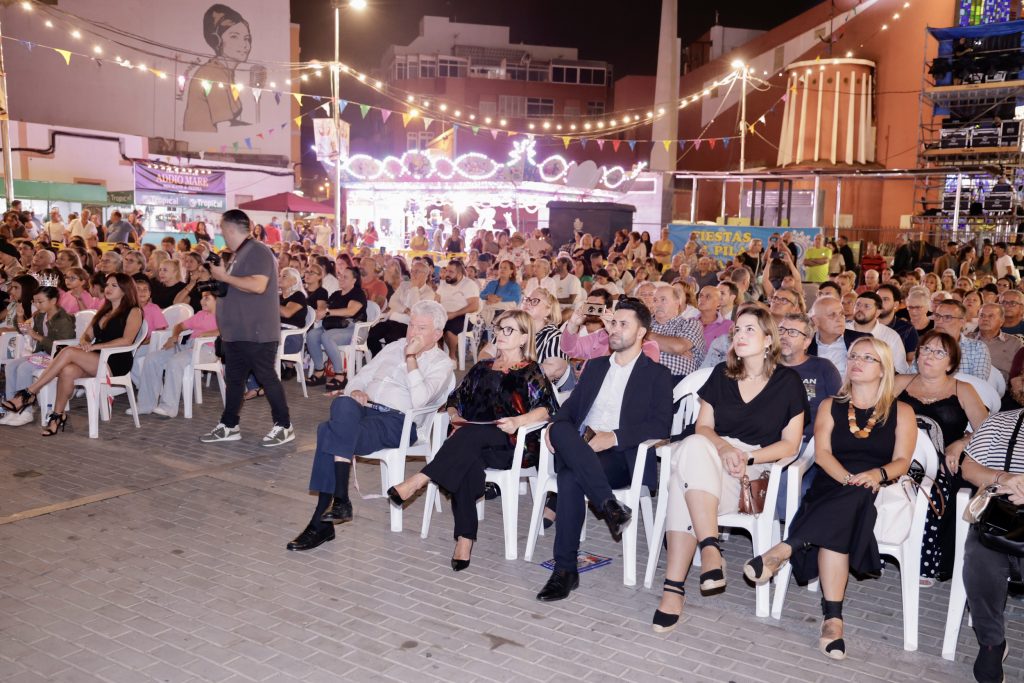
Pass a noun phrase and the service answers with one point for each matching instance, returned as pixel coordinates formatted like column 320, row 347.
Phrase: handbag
column 998, row 522
column 894, row 511
column 752, row 494
column 335, row 322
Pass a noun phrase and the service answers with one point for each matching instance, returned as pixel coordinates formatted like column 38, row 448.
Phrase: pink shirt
column 203, row 321
column 69, row 303
column 595, row 345
column 154, row 317
column 715, row 330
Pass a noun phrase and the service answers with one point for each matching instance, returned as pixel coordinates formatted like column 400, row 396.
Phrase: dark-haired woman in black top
column 116, row 324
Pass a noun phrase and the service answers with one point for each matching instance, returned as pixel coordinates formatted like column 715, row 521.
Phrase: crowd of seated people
column 865, row 344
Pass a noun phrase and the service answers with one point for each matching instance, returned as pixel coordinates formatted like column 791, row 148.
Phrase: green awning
column 59, row 192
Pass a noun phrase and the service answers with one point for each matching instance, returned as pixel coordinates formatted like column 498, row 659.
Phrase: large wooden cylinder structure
column 829, row 113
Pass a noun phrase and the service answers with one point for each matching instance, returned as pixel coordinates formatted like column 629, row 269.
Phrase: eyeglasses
column 1012, row 303
column 504, row 330
column 939, row 317
column 782, row 300
column 941, row 354
column 792, row 332
column 855, row 357
column 532, row 301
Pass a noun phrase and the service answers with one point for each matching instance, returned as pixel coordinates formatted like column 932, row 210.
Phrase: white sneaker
column 129, row 412
column 163, row 412
column 279, row 435
column 222, row 433
column 13, row 419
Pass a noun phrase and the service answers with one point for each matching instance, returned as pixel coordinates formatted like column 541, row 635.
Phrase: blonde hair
column 734, row 367
column 886, row 395
column 524, row 323
column 554, row 310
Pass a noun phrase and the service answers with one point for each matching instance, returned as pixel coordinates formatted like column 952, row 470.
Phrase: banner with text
column 724, row 242
column 158, row 178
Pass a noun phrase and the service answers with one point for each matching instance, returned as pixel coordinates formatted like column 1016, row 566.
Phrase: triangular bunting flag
column 66, row 54
column 248, row 143
column 326, row 106
column 364, row 109
column 235, row 146
column 317, row 98
column 223, row 149
column 234, row 91
column 206, row 86
column 725, row 142
column 384, row 114
column 298, row 121
column 583, row 143
column 298, row 97
column 277, row 98
column 752, row 127
column 615, row 145
column 785, row 96
column 566, row 140
column 667, row 143
column 405, row 120
column 762, row 119
column 270, row 132
column 426, row 123
column 475, row 129
column 341, row 106
column 259, row 135
column 494, row 133
column 696, row 143
column 256, row 93
column 600, row 144
column 202, row 155
column 711, row 143
column 29, row 44
column 632, row 144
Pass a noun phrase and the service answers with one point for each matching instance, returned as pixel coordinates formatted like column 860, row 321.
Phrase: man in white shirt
column 55, row 227
column 83, row 225
column 460, row 296
column 568, row 289
column 537, row 245
column 1004, row 263
column 865, row 319
column 401, row 302
column 540, row 277
column 404, row 377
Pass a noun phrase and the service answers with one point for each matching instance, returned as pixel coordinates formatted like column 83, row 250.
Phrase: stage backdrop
column 241, row 42
column 725, row 241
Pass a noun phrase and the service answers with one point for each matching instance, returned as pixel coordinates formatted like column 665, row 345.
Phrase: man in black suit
column 620, row 401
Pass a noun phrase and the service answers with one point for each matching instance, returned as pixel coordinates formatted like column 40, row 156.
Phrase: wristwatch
column 750, row 461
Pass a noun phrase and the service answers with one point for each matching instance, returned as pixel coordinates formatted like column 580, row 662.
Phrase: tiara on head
column 48, row 280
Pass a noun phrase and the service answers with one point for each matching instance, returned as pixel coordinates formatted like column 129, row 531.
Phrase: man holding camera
column 248, row 317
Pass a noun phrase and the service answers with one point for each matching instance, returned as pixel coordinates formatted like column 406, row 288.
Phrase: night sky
column 623, row 32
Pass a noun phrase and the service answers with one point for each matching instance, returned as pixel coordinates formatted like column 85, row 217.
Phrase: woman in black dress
column 832, row 534
column 935, row 392
column 116, row 324
column 506, row 393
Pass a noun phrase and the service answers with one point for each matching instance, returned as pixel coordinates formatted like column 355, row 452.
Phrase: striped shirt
column 549, row 343
column 990, row 443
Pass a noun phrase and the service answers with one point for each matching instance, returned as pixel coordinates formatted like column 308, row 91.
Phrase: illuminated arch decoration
column 474, row 166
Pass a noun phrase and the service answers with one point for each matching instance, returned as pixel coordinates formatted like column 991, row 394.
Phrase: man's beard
column 450, row 280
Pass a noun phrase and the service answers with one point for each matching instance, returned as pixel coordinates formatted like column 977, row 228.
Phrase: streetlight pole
column 336, row 110
column 5, row 130
column 743, row 113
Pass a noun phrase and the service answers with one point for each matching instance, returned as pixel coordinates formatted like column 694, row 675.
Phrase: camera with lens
column 215, row 287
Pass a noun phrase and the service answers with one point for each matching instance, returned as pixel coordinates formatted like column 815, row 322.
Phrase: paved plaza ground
column 147, row 556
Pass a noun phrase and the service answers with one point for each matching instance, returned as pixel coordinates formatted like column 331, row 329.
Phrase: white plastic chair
column 636, row 497
column 507, row 480
column 686, row 392
column 287, row 332
column 192, row 381
column 906, row 554
column 986, row 391
column 83, row 319
column 470, row 336
column 173, row 314
column 13, row 345
column 957, row 591
column 101, row 389
column 356, row 351
column 997, row 380
column 392, row 460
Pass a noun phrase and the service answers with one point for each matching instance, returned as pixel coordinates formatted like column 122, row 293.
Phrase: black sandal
column 56, row 422
column 316, row 380
column 833, row 649
column 712, row 582
column 335, row 384
column 663, row 621
column 28, row 399
column 758, row 572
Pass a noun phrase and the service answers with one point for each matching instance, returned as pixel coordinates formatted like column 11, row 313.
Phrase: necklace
column 860, row 433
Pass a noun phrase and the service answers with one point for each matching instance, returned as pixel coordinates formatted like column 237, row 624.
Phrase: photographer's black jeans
column 241, row 359
column 985, row 579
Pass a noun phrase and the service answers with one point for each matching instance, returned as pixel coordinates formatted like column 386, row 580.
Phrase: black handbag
column 998, row 522
column 335, row 322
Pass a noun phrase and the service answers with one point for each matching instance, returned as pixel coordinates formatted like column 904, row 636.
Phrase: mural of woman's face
column 236, row 42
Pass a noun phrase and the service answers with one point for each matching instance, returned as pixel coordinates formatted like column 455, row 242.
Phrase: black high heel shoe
column 395, row 498
column 459, row 565
column 56, row 422
column 663, row 621
column 833, row 649
column 757, row 571
column 28, row 399
column 712, row 582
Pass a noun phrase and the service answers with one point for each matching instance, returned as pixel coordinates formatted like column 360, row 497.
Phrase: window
column 558, row 74
column 538, row 74
column 488, row 107
column 400, row 68
column 512, row 105
column 451, row 67
column 540, row 106
column 418, row 141
column 595, row 108
column 412, row 66
column 577, row 74
column 515, row 72
column 571, row 109
column 428, row 67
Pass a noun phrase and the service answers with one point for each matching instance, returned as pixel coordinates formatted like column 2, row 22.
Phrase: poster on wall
column 158, row 185
column 724, row 242
column 208, row 76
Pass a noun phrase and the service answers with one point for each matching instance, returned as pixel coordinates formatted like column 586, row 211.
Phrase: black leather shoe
column 311, row 537
column 339, row 512
column 616, row 515
column 559, row 586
